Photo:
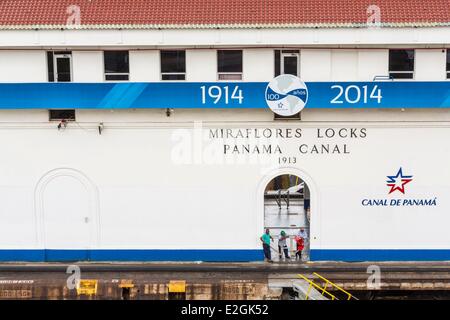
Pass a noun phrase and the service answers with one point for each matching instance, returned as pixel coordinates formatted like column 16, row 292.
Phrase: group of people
column 300, row 240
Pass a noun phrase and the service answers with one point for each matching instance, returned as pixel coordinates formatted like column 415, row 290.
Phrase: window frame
column 241, row 73
column 412, row 73
column 447, row 62
column 294, row 117
column 50, row 119
column 55, row 65
column 51, row 56
column 106, row 74
column 162, row 74
column 282, row 53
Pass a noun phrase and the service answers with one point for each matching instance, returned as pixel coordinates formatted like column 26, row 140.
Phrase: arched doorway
column 66, row 204
column 287, row 214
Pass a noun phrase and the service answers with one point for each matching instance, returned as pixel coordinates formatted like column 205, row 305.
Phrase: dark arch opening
column 287, row 215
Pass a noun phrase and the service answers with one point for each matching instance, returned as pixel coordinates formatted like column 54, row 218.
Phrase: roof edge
column 223, row 26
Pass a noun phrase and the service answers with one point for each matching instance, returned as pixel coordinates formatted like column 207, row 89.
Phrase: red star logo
column 398, row 182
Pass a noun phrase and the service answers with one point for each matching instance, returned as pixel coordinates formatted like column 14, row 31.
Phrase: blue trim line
column 380, row 255
column 131, row 255
column 188, row 95
column 349, row 255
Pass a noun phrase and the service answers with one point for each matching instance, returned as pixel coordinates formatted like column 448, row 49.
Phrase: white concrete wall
column 344, row 65
column 23, row 66
column 87, row 66
column 201, row 65
column 371, row 63
column 276, row 37
column 147, row 199
column 258, row 64
column 315, row 65
column 145, row 66
column 430, row 65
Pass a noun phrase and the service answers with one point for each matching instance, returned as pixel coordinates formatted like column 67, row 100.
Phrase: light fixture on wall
column 62, row 124
column 101, row 127
column 169, row 111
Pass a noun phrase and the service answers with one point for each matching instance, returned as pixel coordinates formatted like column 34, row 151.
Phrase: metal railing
column 323, row 290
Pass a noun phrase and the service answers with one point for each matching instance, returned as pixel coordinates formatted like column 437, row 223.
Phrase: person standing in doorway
column 300, row 246
column 301, row 240
column 265, row 239
column 302, row 233
column 282, row 246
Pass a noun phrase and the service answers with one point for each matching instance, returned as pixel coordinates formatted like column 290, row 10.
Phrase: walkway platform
column 256, row 280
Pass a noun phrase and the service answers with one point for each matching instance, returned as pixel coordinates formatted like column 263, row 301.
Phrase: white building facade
column 114, row 173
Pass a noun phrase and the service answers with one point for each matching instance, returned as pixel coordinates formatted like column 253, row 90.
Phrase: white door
column 67, row 219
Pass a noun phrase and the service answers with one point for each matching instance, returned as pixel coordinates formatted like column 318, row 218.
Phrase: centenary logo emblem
column 286, row 95
column 398, row 181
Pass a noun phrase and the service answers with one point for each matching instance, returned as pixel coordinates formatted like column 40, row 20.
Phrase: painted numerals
column 354, row 94
column 226, row 94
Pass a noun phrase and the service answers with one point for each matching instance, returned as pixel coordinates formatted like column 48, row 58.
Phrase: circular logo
column 286, row 95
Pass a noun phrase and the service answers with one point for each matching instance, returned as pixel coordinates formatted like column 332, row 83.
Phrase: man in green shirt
column 265, row 239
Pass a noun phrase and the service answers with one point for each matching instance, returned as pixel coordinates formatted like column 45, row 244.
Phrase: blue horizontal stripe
column 217, row 255
column 131, row 255
column 221, row 95
column 381, row 255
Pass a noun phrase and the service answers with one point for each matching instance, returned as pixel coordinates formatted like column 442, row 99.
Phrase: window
column 173, row 65
column 401, row 64
column 448, row 64
column 287, row 62
column 117, row 65
column 59, row 65
column 296, row 116
column 229, row 63
column 59, row 115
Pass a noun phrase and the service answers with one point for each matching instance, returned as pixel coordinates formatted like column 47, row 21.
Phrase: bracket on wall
column 62, row 124
column 169, row 112
column 101, row 127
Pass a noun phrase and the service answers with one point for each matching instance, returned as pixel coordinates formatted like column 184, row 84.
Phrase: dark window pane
column 277, row 63
column 448, row 60
column 173, row 61
column 290, row 65
column 173, row 77
column 117, row 62
column 408, row 75
column 229, row 60
column 401, row 60
column 448, row 75
column 63, row 68
column 116, row 77
column 232, row 76
column 51, row 75
column 296, row 116
column 62, row 115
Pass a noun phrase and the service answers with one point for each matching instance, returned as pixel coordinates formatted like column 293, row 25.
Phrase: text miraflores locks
column 267, row 140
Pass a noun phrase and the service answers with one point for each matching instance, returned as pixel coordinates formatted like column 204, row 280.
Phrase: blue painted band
column 355, row 255
column 219, row 95
column 217, row 255
column 130, row 255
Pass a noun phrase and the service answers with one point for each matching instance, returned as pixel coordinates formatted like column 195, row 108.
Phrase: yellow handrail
column 323, row 290
column 312, row 284
column 349, row 295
